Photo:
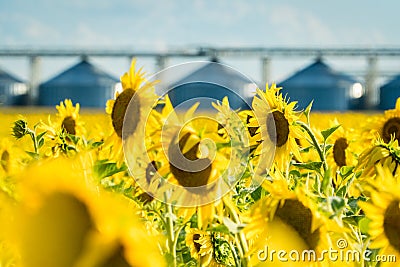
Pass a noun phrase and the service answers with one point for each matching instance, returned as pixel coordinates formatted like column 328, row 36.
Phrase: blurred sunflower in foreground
column 61, row 220
column 277, row 121
column 383, row 211
column 136, row 87
column 10, row 158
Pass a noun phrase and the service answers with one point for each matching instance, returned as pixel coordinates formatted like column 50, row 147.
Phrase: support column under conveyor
column 265, row 71
column 34, row 79
column 371, row 89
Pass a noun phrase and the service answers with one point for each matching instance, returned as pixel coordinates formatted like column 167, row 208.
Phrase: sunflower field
column 145, row 185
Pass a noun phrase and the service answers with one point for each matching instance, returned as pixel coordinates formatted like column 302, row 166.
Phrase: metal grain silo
column 329, row 89
column 82, row 83
column 12, row 90
column 212, row 81
column 389, row 93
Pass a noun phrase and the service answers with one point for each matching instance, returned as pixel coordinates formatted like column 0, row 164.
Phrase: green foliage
column 105, row 168
column 326, row 133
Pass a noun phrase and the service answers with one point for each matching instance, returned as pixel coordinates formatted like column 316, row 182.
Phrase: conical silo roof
column 83, row 83
column 6, row 77
column 212, row 80
column 329, row 89
column 389, row 93
column 13, row 91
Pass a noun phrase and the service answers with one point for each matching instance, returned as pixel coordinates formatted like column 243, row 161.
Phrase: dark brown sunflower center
column 391, row 224
column 119, row 111
column 295, row 214
column 339, row 151
column 196, row 238
column 68, row 124
column 188, row 169
column 117, row 259
column 390, row 128
column 278, row 128
column 61, row 224
column 5, row 160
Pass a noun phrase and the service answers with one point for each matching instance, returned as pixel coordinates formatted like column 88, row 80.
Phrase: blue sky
column 159, row 25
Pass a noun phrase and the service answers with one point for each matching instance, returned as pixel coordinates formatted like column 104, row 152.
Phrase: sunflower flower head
column 286, row 214
column 387, row 154
column 344, row 152
column 386, row 126
column 129, row 111
column 276, row 118
column 383, row 211
column 20, row 128
column 10, row 157
column 69, row 119
column 83, row 226
column 208, row 248
column 187, row 154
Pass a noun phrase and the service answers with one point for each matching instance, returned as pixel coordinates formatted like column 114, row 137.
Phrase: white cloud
column 294, row 26
column 85, row 35
column 36, row 29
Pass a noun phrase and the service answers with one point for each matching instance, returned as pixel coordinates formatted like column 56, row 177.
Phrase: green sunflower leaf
column 328, row 132
column 337, row 203
column 32, row 154
column 220, row 229
column 363, row 224
column 308, row 110
column 40, row 136
column 104, row 168
column 346, row 171
column 314, row 165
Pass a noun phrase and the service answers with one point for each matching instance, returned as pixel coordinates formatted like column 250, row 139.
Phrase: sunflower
column 383, row 210
column 285, row 215
column 344, row 151
column 9, row 158
column 387, row 154
column 183, row 161
column 68, row 118
column 68, row 122
column 188, row 157
column 141, row 92
column 378, row 153
column 277, row 121
column 386, row 126
column 199, row 243
column 62, row 220
column 9, row 166
column 202, row 246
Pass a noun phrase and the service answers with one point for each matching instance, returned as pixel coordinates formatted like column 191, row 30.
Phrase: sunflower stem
column 242, row 239
column 32, row 134
column 235, row 256
column 321, row 154
column 170, row 231
column 176, row 239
